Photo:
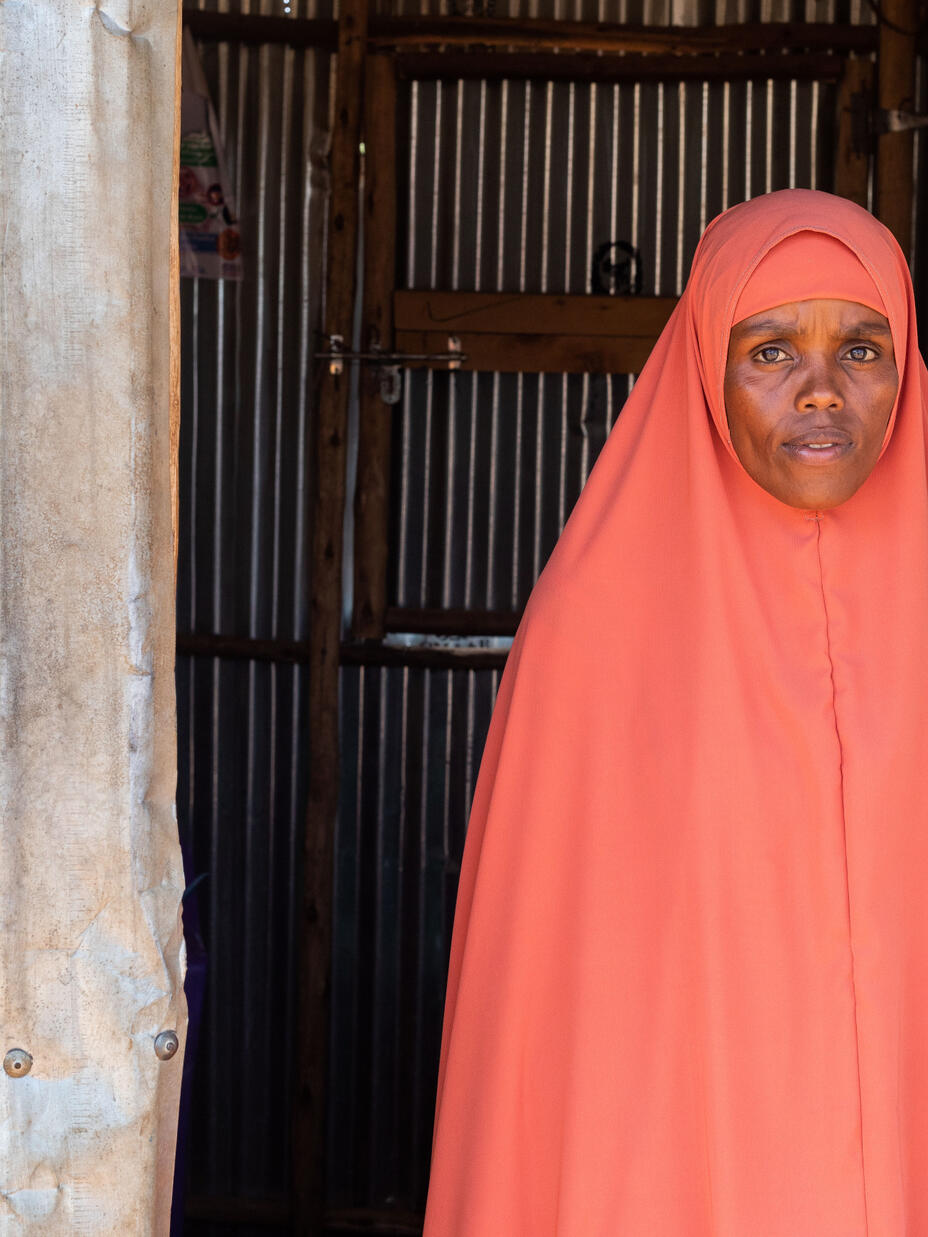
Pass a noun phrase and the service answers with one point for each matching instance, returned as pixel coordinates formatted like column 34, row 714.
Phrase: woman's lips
column 819, row 446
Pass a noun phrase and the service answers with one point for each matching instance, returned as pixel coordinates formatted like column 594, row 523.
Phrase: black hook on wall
column 616, row 269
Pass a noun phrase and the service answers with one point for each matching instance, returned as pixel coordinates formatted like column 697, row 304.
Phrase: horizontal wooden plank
column 242, row 648
column 216, row 26
column 533, row 354
column 525, row 34
column 526, row 313
column 502, row 332
column 366, row 653
column 422, row 656
column 550, row 66
column 448, row 622
column 548, row 34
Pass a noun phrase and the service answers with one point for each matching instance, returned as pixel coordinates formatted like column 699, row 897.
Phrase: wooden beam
column 589, row 66
column 328, row 506
column 372, row 494
column 527, row 333
column 508, row 34
column 854, row 108
column 243, row 648
column 452, row 622
column 522, row 313
column 549, row 35
column 534, row 354
column 365, row 653
column 895, row 183
column 422, row 656
column 222, row 27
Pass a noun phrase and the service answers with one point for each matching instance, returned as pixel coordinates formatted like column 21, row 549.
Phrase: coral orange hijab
column 689, row 976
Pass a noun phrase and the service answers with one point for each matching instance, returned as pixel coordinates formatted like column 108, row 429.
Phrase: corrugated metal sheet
column 247, row 398
column 240, row 798
column 412, row 744
column 489, row 467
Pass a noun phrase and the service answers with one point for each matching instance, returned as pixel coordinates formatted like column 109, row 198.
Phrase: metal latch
column 868, row 122
column 894, row 120
column 388, row 363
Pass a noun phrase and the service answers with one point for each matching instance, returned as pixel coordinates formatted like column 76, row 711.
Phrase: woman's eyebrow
column 868, row 326
column 765, row 326
column 777, row 326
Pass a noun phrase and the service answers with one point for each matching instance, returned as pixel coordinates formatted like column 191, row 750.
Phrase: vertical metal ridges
column 247, row 399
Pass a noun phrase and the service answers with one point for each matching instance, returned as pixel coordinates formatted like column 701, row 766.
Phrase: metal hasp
column 335, row 354
column 337, row 357
column 866, row 122
column 17, row 1063
column 389, row 363
column 166, row 1045
column 894, row 120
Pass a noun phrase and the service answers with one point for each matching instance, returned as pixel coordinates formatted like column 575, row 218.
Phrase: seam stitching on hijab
column 847, row 876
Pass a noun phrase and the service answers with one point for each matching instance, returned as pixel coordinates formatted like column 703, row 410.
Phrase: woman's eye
column 770, row 354
column 861, row 352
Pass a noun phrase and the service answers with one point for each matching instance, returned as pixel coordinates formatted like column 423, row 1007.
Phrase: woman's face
column 809, row 388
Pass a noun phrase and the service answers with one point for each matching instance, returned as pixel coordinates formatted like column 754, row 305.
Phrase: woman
column 688, row 991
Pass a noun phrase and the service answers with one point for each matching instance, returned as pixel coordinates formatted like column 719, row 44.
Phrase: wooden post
column 372, row 496
column 855, row 108
column 328, row 504
column 91, row 876
column 896, row 75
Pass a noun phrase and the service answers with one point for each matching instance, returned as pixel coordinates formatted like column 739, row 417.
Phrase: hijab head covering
column 687, row 993
column 803, row 267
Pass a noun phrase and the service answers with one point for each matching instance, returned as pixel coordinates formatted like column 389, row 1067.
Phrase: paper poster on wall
column 210, row 242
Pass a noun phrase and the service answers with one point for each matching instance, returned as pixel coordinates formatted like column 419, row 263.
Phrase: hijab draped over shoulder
column 688, row 993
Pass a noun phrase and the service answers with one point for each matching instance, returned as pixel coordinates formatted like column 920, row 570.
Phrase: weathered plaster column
column 91, row 952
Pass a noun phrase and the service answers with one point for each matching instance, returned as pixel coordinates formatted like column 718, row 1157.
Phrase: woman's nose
column 820, row 387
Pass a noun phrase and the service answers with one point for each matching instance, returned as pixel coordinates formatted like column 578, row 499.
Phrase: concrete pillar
column 91, row 952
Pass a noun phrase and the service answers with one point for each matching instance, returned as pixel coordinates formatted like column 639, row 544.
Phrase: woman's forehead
column 836, row 315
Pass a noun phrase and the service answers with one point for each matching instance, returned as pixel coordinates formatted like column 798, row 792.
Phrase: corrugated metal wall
column 247, row 399
column 412, row 738
column 502, row 185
